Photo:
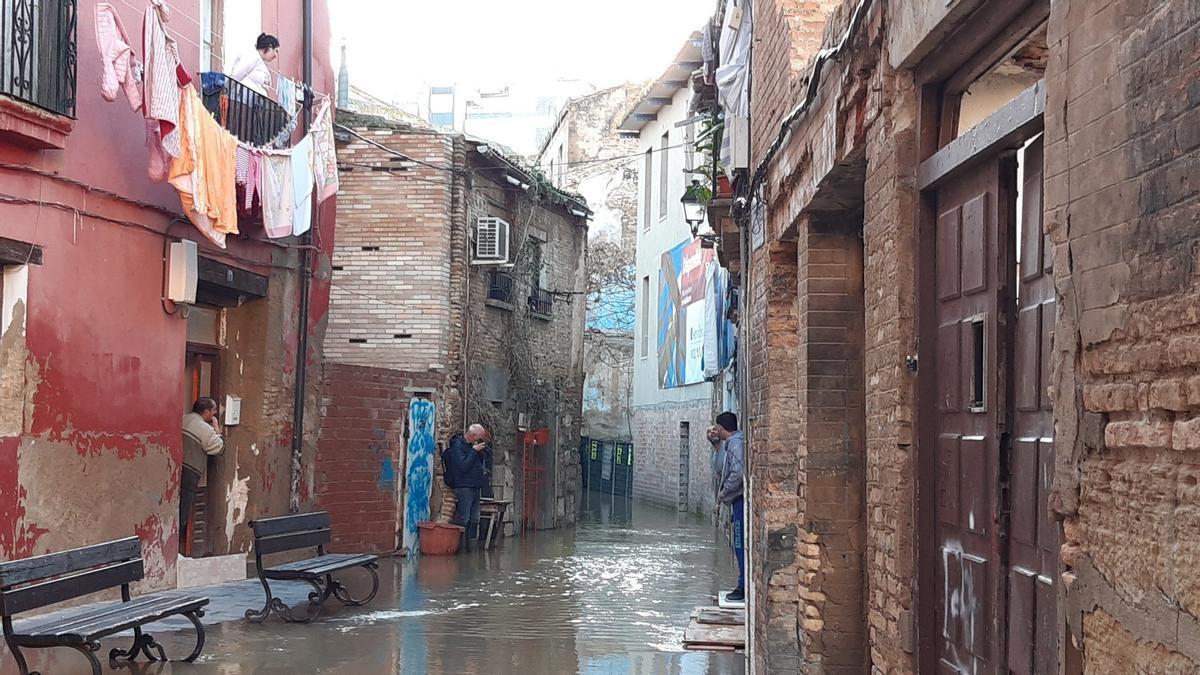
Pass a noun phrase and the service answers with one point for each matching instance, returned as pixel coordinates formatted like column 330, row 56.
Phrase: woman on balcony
column 251, row 69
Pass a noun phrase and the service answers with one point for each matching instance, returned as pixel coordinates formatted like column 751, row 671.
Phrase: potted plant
column 708, row 144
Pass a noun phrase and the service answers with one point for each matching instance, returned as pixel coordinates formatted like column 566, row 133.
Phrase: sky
column 397, row 47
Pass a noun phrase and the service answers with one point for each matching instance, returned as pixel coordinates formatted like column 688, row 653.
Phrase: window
column 648, row 183
column 664, row 178
column 37, row 53
column 210, row 48
column 645, row 316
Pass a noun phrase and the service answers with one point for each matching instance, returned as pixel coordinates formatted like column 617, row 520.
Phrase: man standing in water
column 470, row 457
column 727, row 463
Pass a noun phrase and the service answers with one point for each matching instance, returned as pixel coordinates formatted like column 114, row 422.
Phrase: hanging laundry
column 162, row 92
column 116, row 57
column 325, row 162
column 249, row 166
column 302, row 184
column 159, row 165
column 275, row 190
column 288, row 95
column 205, row 173
column 187, row 174
column 211, row 83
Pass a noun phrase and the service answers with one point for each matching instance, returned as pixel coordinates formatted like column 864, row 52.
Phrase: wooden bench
column 41, row 581
column 304, row 531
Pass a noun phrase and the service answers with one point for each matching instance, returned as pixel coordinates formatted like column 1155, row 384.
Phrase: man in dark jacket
column 470, row 457
column 727, row 464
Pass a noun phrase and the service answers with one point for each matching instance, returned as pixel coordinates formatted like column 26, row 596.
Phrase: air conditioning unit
column 491, row 241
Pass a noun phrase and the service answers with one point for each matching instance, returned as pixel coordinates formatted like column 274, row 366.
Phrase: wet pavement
column 610, row 596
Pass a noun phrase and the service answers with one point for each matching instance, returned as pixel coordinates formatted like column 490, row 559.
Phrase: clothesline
column 202, row 160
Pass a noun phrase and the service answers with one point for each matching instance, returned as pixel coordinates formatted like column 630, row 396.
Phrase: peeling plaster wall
column 90, row 434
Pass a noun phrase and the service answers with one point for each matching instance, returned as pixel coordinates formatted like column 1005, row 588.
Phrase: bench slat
column 319, row 566
column 76, row 622
column 77, row 585
column 107, row 622
column 290, row 542
column 266, row 527
column 65, row 562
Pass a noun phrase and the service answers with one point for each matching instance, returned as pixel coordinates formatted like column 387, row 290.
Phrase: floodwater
column 610, row 596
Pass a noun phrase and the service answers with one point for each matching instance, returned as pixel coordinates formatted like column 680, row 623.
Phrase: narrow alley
column 612, row 596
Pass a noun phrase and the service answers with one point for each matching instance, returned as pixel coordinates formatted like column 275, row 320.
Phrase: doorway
column 202, row 378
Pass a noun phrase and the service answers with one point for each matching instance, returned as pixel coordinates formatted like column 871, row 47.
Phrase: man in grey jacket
column 728, row 461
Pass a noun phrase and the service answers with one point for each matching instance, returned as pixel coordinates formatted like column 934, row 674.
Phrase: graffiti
column 386, row 479
column 419, row 478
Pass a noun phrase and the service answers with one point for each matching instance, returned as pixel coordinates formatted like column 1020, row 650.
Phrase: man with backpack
column 466, row 468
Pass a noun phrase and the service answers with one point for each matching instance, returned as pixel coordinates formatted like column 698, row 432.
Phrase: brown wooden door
column 972, row 296
column 1033, row 540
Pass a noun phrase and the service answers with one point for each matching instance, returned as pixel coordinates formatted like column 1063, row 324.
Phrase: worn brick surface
column 1123, row 101
column 660, row 462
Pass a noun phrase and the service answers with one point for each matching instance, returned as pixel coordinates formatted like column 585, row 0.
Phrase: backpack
column 447, row 465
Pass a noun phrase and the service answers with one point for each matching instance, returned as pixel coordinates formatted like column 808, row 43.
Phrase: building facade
column 583, row 154
column 418, row 314
column 671, row 402
column 965, row 259
column 98, row 367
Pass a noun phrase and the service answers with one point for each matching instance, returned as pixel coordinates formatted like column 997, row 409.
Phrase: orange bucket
column 440, row 538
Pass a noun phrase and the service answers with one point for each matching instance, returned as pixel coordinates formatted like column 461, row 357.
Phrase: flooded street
column 612, row 596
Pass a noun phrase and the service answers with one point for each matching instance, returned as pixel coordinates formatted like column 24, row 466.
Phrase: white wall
column 663, row 234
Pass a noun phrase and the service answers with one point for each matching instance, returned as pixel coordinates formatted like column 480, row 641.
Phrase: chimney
column 343, row 90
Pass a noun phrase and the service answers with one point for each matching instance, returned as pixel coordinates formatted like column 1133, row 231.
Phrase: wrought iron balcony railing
column 37, row 53
column 252, row 117
column 541, row 301
column 500, row 286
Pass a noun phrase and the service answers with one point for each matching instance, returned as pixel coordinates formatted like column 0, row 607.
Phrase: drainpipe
column 305, row 285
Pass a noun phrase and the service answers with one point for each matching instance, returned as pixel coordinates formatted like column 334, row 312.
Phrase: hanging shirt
column 161, row 84
column 117, row 57
column 302, row 184
column 325, row 169
column 275, row 190
column 252, row 71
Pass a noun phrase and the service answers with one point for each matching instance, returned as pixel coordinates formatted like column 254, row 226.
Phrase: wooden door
column 972, row 296
column 1033, row 532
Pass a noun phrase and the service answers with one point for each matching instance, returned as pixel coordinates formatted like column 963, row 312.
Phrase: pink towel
column 116, row 56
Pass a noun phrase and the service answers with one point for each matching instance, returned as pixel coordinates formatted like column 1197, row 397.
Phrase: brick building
column 966, row 255
column 584, row 154
column 416, row 314
column 97, row 365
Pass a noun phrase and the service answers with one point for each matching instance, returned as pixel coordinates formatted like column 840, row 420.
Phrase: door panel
column 973, row 288
column 1033, row 548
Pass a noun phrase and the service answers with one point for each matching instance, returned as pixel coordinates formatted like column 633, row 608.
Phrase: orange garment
column 205, row 171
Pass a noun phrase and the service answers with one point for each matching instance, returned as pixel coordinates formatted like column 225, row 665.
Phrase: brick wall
column 659, row 461
column 1122, row 195
column 391, row 262
column 787, row 35
column 360, row 453
column 775, row 460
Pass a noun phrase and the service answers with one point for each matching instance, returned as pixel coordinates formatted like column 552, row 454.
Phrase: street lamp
column 694, row 209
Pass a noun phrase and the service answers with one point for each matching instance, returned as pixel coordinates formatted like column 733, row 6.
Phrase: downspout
column 305, row 284
column 743, row 364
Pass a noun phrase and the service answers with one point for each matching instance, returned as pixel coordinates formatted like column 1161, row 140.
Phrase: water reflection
column 611, row 596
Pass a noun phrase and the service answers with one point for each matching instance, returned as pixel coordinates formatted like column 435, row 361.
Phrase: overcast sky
column 396, row 47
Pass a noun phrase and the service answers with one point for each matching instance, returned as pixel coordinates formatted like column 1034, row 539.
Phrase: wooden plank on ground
column 724, row 617
column 714, row 635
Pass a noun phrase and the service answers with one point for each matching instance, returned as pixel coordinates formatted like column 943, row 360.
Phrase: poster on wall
column 422, row 424
column 690, row 314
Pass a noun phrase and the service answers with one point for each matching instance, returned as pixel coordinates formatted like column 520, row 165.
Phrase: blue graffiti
column 421, row 450
column 387, row 475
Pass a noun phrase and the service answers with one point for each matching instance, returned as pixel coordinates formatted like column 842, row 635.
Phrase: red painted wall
column 95, row 455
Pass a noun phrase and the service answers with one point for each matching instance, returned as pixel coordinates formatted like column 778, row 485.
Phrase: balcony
column 252, row 117
column 500, row 289
column 541, row 302
column 37, row 71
